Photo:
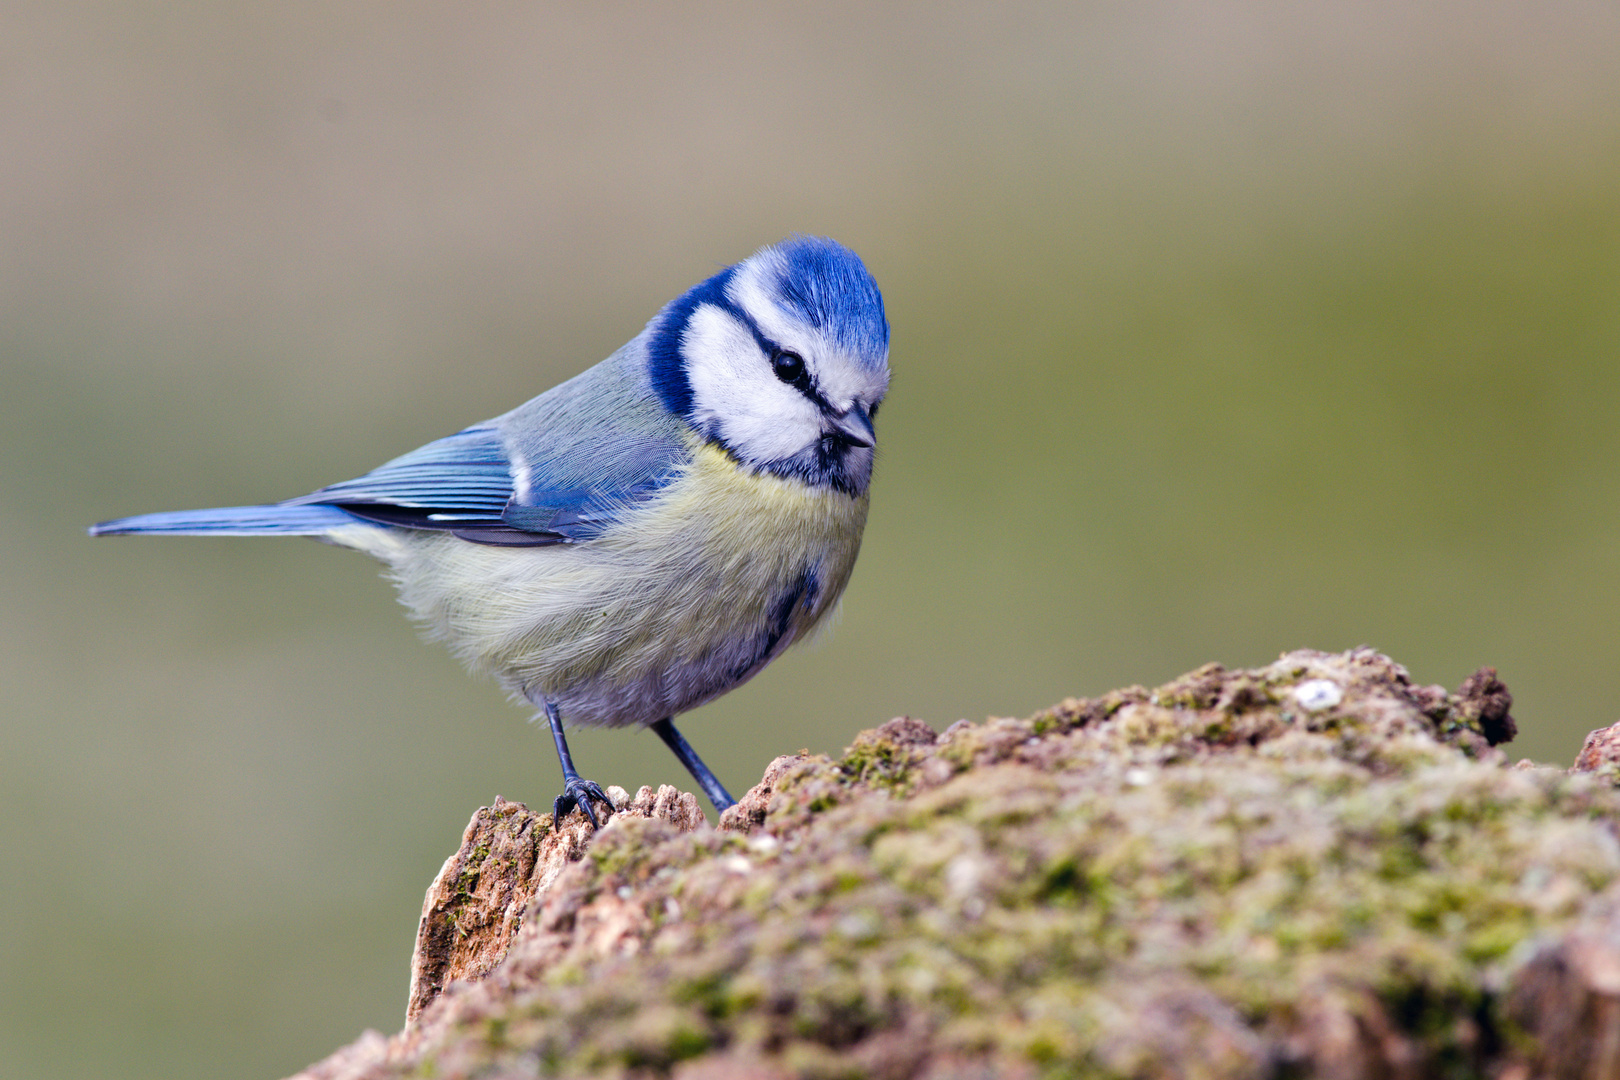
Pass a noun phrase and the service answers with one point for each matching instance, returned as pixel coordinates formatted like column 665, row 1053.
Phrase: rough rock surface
column 476, row 904
column 1314, row 868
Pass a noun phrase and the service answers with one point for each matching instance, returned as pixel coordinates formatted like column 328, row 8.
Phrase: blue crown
column 827, row 286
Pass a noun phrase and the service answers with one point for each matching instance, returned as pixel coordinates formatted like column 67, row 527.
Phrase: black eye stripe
column 790, row 367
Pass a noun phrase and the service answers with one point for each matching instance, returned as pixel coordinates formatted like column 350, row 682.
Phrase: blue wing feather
column 589, row 448
column 466, row 472
column 585, row 450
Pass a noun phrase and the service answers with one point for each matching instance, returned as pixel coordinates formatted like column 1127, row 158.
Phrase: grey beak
column 853, row 427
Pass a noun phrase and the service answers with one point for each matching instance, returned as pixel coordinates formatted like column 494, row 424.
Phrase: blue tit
column 651, row 533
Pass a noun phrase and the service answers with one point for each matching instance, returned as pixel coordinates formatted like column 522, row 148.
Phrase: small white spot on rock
column 737, row 864
column 1138, row 777
column 1318, row 694
column 764, row 843
column 964, row 873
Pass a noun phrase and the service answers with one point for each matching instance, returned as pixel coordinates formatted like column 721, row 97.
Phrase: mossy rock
column 1313, row 868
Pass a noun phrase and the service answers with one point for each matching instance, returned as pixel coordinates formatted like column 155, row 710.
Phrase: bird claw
column 578, row 792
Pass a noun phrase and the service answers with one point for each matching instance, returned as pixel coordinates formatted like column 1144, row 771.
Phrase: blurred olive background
column 1219, row 330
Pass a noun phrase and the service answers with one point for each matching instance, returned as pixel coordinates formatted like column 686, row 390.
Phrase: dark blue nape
column 664, row 345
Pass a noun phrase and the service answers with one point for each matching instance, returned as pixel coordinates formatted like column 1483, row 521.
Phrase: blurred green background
column 1219, row 330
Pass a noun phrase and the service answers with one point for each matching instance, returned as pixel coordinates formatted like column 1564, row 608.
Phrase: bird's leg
column 682, row 749
column 576, row 790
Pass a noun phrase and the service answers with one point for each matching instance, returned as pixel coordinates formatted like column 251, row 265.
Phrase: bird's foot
column 578, row 792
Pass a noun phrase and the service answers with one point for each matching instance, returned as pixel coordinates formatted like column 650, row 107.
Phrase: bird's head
column 782, row 360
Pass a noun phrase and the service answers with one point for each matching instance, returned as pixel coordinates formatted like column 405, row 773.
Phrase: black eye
column 789, row 367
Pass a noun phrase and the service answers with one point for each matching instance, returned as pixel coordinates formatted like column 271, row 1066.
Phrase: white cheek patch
column 736, row 395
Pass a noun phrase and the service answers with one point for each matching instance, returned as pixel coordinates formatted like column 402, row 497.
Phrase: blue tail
column 233, row 521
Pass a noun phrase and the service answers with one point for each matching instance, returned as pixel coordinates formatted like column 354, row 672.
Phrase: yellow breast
column 689, row 594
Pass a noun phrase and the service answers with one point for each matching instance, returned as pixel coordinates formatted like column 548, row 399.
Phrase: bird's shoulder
column 557, row 469
column 584, row 450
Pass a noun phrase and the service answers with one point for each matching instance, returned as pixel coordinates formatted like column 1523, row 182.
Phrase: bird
column 644, row 537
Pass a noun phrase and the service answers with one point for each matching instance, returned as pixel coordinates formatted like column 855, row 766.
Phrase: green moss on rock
column 1309, row 868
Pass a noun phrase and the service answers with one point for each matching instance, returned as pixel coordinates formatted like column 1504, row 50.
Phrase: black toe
column 578, row 792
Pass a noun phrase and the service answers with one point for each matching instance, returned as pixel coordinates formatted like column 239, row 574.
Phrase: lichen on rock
column 476, row 905
column 1311, row 868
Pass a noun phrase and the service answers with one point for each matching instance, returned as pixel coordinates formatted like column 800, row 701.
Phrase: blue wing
column 466, row 473
column 585, row 450
column 460, row 483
